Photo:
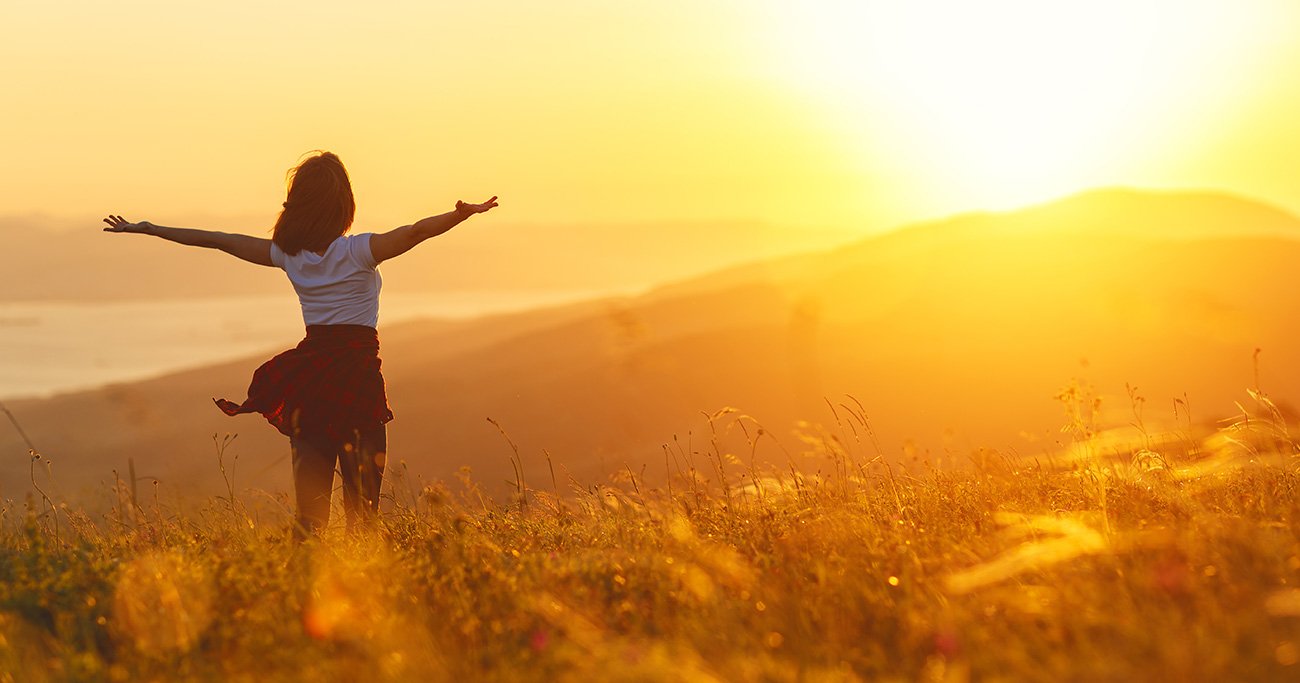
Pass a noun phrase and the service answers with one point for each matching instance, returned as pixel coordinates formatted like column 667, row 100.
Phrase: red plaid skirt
column 329, row 384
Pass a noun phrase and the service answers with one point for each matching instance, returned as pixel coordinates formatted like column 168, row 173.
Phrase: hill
column 954, row 335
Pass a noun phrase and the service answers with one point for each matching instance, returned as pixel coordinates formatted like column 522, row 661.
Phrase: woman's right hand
column 467, row 209
column 119, row 224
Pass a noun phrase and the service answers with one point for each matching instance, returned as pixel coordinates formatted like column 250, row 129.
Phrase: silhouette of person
column 327, row 393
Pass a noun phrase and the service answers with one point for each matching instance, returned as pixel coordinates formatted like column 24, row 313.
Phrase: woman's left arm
column 252, row 249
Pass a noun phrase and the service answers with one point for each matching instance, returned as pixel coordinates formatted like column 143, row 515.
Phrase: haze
column 636, row 145
column 854, row 116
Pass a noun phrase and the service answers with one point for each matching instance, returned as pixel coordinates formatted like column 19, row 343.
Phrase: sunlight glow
column 1011, row 101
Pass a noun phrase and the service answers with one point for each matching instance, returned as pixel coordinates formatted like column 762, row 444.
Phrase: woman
column 327, row 394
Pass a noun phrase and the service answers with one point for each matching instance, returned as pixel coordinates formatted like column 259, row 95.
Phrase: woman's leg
column 361, row 462
column 313, row 482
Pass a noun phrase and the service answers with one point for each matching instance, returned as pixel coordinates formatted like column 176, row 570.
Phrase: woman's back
column 339, row 287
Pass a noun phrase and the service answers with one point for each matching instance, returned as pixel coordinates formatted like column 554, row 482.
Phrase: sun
column 1011, row 101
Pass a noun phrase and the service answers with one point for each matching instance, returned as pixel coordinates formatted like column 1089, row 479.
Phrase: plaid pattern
column 329, row 384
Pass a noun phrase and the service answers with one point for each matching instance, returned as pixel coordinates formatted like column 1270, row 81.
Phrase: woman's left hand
column 119, row 224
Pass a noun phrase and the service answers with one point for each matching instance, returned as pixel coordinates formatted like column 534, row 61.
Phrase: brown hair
column 319, row 208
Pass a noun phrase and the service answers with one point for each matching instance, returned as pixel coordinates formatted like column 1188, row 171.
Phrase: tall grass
column 1129, row 555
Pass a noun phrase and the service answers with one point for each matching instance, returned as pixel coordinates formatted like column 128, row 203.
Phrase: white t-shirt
column 340, row 287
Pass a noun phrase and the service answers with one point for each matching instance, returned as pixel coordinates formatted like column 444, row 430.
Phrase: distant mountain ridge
column 1103, row 211
column 954, row 335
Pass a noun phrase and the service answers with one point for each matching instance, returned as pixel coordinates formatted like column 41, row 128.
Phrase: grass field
column 1127, row 556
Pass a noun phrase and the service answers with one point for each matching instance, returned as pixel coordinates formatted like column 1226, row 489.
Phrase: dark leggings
column 361, row 463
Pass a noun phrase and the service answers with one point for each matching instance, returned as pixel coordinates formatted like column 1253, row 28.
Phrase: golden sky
column 820, row 114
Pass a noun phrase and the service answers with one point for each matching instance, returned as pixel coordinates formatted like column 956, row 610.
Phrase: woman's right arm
column 252, row 249
column 398, row 241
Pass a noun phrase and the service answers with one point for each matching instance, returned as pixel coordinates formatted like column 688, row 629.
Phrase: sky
column 845, row 115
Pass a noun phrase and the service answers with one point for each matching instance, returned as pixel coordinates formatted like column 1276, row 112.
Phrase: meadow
column 1126, row 554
